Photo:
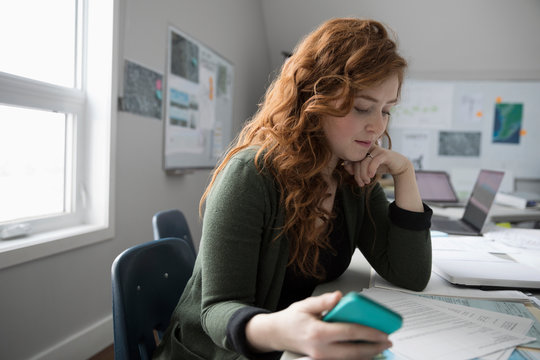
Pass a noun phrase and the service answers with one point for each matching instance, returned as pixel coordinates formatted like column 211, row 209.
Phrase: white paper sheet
column 516, row 237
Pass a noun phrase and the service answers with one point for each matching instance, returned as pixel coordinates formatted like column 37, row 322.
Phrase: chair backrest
column 147, row 282
column 171, row 223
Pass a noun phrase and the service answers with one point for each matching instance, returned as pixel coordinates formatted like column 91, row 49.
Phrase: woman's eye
column 360, row 110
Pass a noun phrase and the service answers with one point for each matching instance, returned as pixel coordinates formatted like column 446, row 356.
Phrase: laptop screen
column 435, row 186
column 482, row 196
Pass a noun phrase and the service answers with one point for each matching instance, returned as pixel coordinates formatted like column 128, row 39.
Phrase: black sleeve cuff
column 409, row 219
column 236, row 334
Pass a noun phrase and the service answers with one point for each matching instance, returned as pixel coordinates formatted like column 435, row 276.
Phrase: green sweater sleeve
column 398, row 247
column 234, row 220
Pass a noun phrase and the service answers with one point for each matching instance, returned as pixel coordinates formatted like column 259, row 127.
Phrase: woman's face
column 352, row 136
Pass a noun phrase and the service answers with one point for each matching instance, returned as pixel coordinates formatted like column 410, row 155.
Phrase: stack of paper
column 435, row 329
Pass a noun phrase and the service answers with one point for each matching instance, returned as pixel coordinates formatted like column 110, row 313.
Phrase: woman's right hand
column 299, row 329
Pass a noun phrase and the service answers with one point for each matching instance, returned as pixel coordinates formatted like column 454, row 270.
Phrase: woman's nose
column 377, row 123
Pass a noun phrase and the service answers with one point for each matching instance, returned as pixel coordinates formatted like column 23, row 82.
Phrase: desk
column 355, row 278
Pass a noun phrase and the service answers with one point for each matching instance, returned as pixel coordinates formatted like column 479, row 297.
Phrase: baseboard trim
column 81, row 345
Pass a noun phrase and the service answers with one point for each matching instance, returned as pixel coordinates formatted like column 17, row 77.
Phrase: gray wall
column 482, row 39
column 60, row 299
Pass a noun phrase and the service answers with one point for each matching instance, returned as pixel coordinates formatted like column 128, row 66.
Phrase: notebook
column 436, row 189
column 477, row 208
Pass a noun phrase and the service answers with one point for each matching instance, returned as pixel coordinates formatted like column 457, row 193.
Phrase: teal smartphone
column 356, row 308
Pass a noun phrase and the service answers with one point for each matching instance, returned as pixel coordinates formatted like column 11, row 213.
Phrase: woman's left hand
column 384, row 161
column 377, row 161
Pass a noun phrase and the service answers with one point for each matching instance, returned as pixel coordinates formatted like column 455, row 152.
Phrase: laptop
column 477, row 208
column 436, row 189
column 488, row 274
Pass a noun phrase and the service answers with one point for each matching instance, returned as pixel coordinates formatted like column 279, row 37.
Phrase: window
column 56, row 91
column 36, row 179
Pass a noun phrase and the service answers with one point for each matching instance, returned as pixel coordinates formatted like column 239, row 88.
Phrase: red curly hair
column 336, row 61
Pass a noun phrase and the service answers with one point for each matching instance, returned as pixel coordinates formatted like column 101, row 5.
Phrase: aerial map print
column 507, row 123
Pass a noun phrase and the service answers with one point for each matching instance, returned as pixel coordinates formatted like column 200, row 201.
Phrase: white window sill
column 28, row 248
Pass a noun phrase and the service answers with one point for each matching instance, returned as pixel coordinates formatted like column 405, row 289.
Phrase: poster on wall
column 507, row 123
column 415, row 146
column 460, row 143
column 425, row 104
column 470, row 110
column 142, row 91
column 198, row 117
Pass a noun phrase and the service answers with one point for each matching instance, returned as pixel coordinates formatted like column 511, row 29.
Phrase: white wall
column 233, row 29
column 59, row 307
column 461, row 39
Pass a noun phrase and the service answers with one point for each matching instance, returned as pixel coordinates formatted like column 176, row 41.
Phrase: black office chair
column 172, row 223
column 147, row 281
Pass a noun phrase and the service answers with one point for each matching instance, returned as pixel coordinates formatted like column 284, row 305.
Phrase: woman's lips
column 366, row 144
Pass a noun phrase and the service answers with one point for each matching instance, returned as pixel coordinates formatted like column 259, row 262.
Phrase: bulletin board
column 199, row 103
column 468, row 125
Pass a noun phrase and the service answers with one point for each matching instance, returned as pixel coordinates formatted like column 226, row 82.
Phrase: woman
column 293, row 198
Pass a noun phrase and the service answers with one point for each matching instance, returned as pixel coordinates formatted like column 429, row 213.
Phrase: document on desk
column 437, row 330
column 505, row 311
column 504, row 307
column 518, row 238
column 438, row 286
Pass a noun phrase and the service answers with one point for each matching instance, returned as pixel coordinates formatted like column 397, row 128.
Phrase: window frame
column 95, row 108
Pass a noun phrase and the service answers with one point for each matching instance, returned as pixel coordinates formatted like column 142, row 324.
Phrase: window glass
column 39, row 40
column 34, row 163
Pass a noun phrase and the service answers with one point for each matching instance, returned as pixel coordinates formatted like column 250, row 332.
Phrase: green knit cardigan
column 242, row 263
